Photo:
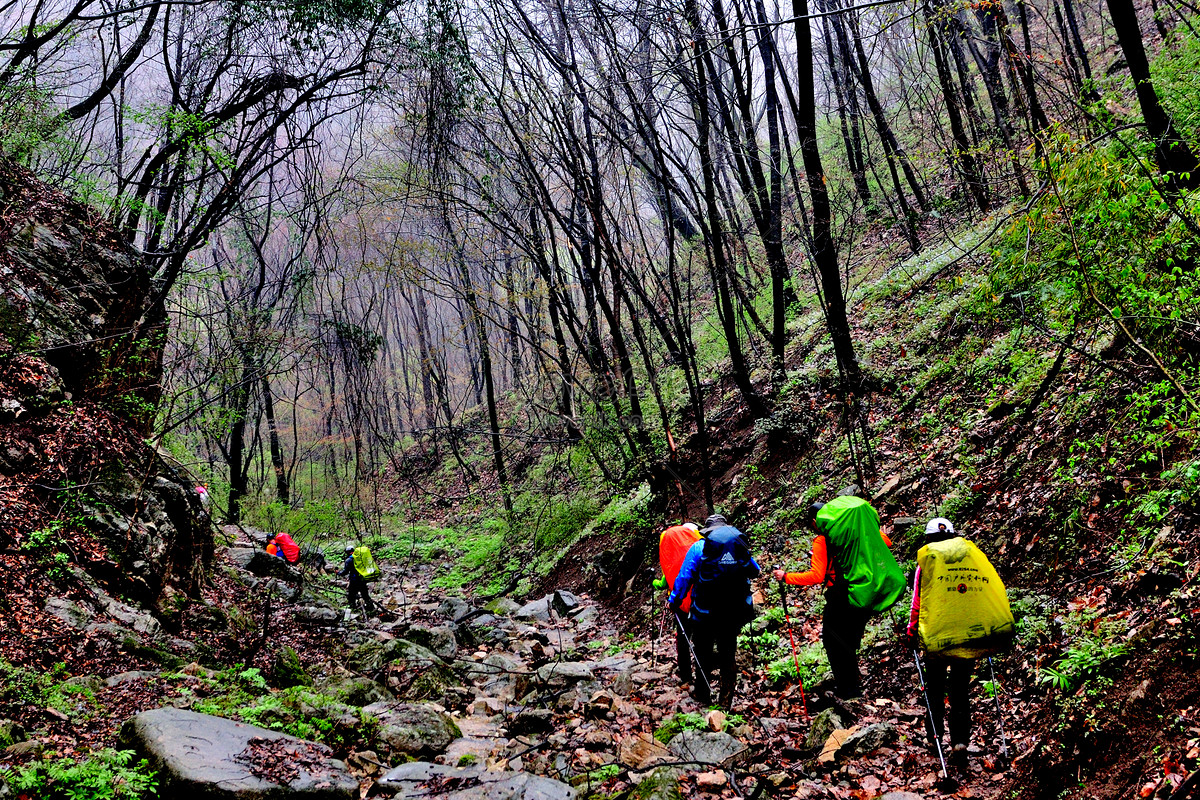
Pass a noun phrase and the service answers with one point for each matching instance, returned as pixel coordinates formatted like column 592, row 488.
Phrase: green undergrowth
column 103, row 775
column 301, row 711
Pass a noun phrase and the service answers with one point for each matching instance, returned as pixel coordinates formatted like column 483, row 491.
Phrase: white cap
column 939, row 525
column 691, row 526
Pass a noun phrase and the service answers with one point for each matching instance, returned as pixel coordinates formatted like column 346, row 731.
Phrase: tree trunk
column 824, row 248
column 1174, row 157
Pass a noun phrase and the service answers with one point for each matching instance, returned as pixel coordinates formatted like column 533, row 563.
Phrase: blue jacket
column 689, row 574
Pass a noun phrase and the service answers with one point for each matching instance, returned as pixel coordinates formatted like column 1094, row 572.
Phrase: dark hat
column 714, row 522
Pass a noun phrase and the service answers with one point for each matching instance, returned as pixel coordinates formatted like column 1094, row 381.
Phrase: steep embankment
column 90, row 515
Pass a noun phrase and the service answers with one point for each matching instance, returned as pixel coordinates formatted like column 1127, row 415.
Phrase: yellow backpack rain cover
column 964, row 607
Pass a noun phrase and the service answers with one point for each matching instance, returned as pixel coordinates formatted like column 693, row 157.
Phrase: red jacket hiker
column 291, row 551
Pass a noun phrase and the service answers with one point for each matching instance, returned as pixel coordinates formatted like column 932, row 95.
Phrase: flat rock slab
column 422, row 779
column 716, row 749
column 198, row 757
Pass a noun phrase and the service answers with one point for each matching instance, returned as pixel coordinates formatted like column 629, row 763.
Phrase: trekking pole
column 657, row 640
column 937, row 737
column 692, row 650
column 792, row 639
column 999, row 713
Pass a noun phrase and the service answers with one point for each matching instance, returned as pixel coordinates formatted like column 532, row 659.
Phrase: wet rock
column 413, row 729
column 440, row 639
column 853, row 490
column 868, row 738
column 503, row 676
column 535, row 610
column 712, row 782
column 643, row 751
column 10, row 732
column 73, row 614
column 531, row 720
column 587, row 617
column 197, row 755
column 564, row 673
column 454, row 608
column 503, row 606
column 705, row 747
column 564, row 602
column 823, row 724
column 420, row 779
column 315, row 615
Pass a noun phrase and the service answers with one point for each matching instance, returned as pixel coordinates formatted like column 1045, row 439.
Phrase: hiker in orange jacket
column 842, row 625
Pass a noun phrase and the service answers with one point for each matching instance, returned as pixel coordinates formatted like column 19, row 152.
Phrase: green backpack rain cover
column 861, row 557
column 364, row 564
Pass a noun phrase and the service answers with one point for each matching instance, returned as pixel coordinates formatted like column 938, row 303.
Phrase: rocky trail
column 445, row 697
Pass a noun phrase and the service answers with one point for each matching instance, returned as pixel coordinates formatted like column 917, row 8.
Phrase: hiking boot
column 958, row 756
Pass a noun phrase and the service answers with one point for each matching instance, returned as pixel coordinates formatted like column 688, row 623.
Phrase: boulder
column 531, row 720
column 823, row 725
column 440, row 639
column 643, row 751
column 868, row 738
column 454, row 608
column 10, row 733
column 535, row 611
column 422, row 779
column 413, row 729
column 132, row 675
column 315, row 615
column 73, row 614
column 202, row 756
column 503, row 606
column 356, row 690
column 564, row 673
column 706, row 747
column 564, row 602
column 502, row 676
column 662, row 784
column 586, row 618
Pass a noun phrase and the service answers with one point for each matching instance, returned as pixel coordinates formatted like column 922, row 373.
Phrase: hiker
column 673, row 545
column 357, row 584
column 283, row 546
column 959, row 613
column 851, row 559
column 717, row 571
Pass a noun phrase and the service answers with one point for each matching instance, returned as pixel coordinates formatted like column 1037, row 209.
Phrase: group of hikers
column 358, row 568
column 958, row 610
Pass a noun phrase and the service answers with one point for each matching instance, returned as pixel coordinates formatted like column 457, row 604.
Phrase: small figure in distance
column 283, row 546
column 717, row 570
column 357, row 587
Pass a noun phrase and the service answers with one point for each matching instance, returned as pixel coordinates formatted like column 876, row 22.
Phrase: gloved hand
column 912, row 640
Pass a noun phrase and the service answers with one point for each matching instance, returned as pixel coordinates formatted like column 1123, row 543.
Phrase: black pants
column 357, row 589
column 960, row 670
column 842, row 629
column 683, row 653
column 711, row 634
